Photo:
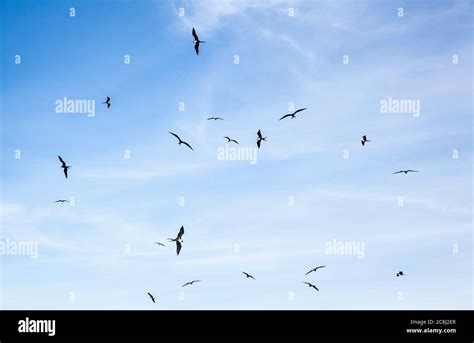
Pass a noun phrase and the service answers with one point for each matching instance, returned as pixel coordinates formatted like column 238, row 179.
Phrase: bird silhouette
column 107, row 101
column 230, row 140
column 196, row 41
column 190, row 283
column 292, row 115
column 178, row 240
column 62, row 200
column 151, row 297
column 64, row 166
column 260, row 138
column 400, row 273
column 314, row 269
column 248, row 275
column 215, row 118
column 406, row 171
column 158, row 243
column 181, row 141
column 311, row 285
column 364, row 140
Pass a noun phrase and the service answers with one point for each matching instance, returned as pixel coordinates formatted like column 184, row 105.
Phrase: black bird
column 64, row 166
column 313, row 270
column 62, row 200
column 364, row 140
column 181, row 141
column 196, row 41
column 248, row 275
column 292, row 115
column 107, row 101
column 190, row 283
column 311, row 285
column 406, row 171
column 400, row 273
column 230, row 140
column 158, row 243
column 260, row 138
column 215, row 118
column 178, row 240
column 151, row 296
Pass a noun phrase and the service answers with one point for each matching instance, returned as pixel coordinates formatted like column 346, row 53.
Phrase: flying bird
column 151, row 297
column 260, row 138
column 196, row 41
column 314, row 269
column 178, row 240
column 311, row 285
column 215, row 118
column 107, row 101
column 62, row 200
column 64, row 166
column 364, row 140
column 292, row 115
column 190, row 283
column 400, row 273
column 181, row 141
column 230, row 140
column 406, row 171
column 248, row 275
column 158, row 243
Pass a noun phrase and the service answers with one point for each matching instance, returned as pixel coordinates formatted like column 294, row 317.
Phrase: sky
column 314, row 196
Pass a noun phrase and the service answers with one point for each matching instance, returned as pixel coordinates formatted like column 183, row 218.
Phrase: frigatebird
column 151, row 297
column 178, row 240
column 62, row 200
column 196, row 41
column 107, row 101
column 215, row 118
column 400, row 273
column 364, row 140
column 260, row 138
column 190, row 283
column 64, row 166
column 406, row 171
column 311, row 285
column 314, row 269
column 158, row 243
column 230, row 140
column 181, row 141
column 248, row 275
column 292, row 115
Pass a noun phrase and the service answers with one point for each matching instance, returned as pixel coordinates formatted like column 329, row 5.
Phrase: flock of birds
column 260, row 138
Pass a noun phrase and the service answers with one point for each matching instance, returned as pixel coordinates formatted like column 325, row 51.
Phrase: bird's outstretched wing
column 259, row 134
column 301, row 109
column 363, row 142
column 413, row 171
column 316, row 288
column 65, row 172
column 233, row 140
column 312, row 270
column 398, row 172
column 210, row 118
column 196, row 47
column 195, row 34
column 62, row 161
column 178, row 247
column 218, row 118
column 228, row 139
column 174, row 134
column 286, row 115
column 189, row 146
column 108, row 105
column 180, row 233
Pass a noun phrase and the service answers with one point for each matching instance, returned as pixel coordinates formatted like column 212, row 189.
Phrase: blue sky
column 102, row 248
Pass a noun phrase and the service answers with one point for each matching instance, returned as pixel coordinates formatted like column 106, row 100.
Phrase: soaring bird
column 181, row 141
column 107, row 101
column 311, row 285
column 248, row 275
column 406, row 171
column 151, row 297
column 292, row 115
column 190, row 283
column 178, row 240
column 62, row 200
column 400, row 273
column 64, row 166
column 230, row 140
column 215, row 118
column 158, row 243
column 196, row 41
column 364, row 140
column 314, row 269
column 260, row 138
